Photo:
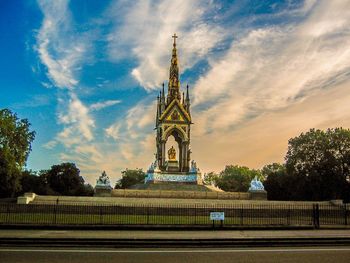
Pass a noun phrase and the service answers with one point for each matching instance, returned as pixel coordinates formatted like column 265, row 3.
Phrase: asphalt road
column 87, row 255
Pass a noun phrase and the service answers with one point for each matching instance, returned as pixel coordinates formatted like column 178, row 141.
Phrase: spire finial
column 174, row 82
column 174, row 37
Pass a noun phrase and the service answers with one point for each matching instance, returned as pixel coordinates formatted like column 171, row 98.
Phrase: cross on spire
column 174, row 37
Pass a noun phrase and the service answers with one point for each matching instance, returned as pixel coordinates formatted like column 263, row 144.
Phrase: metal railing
column 314, row 215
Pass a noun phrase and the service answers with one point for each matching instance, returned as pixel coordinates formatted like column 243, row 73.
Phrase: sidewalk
column 127, row 238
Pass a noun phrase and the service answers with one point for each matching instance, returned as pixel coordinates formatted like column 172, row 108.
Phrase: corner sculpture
column 256, row 185
column 103, row 185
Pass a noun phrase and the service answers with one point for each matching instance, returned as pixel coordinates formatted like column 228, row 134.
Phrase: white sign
column 217, row 215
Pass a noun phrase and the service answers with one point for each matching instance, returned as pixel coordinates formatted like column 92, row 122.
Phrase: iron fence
column 314, row 215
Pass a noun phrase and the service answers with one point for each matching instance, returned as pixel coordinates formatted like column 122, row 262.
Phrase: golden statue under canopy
column 172, row 153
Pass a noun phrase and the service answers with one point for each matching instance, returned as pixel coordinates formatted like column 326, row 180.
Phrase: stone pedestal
column 158, row 177
column 102, row 191
column 172, row 166
column 258, row 194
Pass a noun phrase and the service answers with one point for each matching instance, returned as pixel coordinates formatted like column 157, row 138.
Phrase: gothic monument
column 173, row 118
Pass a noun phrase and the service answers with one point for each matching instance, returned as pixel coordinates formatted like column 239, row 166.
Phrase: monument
column 257, row 190
column 103, row 185
column 173, row 118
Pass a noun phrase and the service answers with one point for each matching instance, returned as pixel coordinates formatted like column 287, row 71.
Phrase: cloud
column 60, row 48
column 50, row 145
column 264, row 139
column 263, row 82
column 114, row 131
column 149, row 40
column 275, row 67
column 33, row 102
column 77, row 120
column 101, row 105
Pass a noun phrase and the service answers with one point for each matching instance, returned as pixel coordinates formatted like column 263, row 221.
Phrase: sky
column 86, row 75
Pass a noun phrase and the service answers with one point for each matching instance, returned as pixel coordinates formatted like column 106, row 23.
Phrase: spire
column 187, row 101
column 158, row 108
column 162, row 100
column 187, row 94
column 174, row 82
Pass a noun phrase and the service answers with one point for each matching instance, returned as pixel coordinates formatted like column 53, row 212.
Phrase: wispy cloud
column 77, row 119
column 59, row 47
column 104, row 104
column 274, row 67
column 149, row 39
column 261, row 84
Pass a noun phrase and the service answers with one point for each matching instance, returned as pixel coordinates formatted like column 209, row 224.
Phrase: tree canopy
column 65, row 179
column 236, row 178
column 130, row 177
column 317, row 167
column 15, row 146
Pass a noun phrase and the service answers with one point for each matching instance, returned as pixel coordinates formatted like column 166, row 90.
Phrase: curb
column 175, row 243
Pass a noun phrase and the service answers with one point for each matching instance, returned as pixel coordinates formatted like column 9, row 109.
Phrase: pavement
column 176, row 238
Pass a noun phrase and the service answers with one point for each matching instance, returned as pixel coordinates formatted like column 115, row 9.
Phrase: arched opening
column 171, row 142
column 175, row 138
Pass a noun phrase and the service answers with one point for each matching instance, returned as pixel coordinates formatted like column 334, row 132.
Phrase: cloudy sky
column 87, row 73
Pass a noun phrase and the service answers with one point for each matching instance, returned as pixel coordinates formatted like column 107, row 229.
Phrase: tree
column 35, row 183
column 210, row 178
column 65, row 179
column 130, row 177
column 320, row 162
column 236, row 178
column 276, row 182
column 15, row 146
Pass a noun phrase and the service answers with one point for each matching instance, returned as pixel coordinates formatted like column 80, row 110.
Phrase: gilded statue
column 172, row 153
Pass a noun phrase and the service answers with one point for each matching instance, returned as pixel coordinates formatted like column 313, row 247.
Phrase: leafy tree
column 210, row 178
column 130, row 177
column 236, row 178
column 15, row 146
column 65, row 179
column 276, row 182
column 35, row 183
column 321, row 161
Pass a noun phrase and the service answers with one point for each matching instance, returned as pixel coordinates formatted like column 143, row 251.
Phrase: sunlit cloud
column 259, row 82
column 148, row 39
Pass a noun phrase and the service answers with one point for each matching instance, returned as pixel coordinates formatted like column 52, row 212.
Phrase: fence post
column 316, row 215
column 288, row 216
column 148, row 215
column 100, row 214
column 241, row 216
column 345, row 215
column 8, row 213
column 55, row 211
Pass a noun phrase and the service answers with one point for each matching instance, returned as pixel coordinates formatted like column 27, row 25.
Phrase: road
column 203, row 255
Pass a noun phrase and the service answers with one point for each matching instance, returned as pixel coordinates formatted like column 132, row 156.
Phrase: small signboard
column 217, row 216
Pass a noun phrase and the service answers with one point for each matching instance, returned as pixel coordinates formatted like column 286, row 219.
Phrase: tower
column 173, row 118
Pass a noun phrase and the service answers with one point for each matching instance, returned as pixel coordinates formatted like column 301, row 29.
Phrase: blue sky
column 86, row 74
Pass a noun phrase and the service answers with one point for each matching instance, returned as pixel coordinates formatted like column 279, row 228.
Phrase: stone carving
column 103, row 180
column 175, row 115
column 171, row 178
column 153, row 166
column 172, row 154
column 256, row 185
column 194, row 168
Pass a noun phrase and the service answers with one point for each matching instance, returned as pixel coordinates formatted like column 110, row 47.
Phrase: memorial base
column 172, row 166
column 173, row 177
column 103, row 191
column 258, row 194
